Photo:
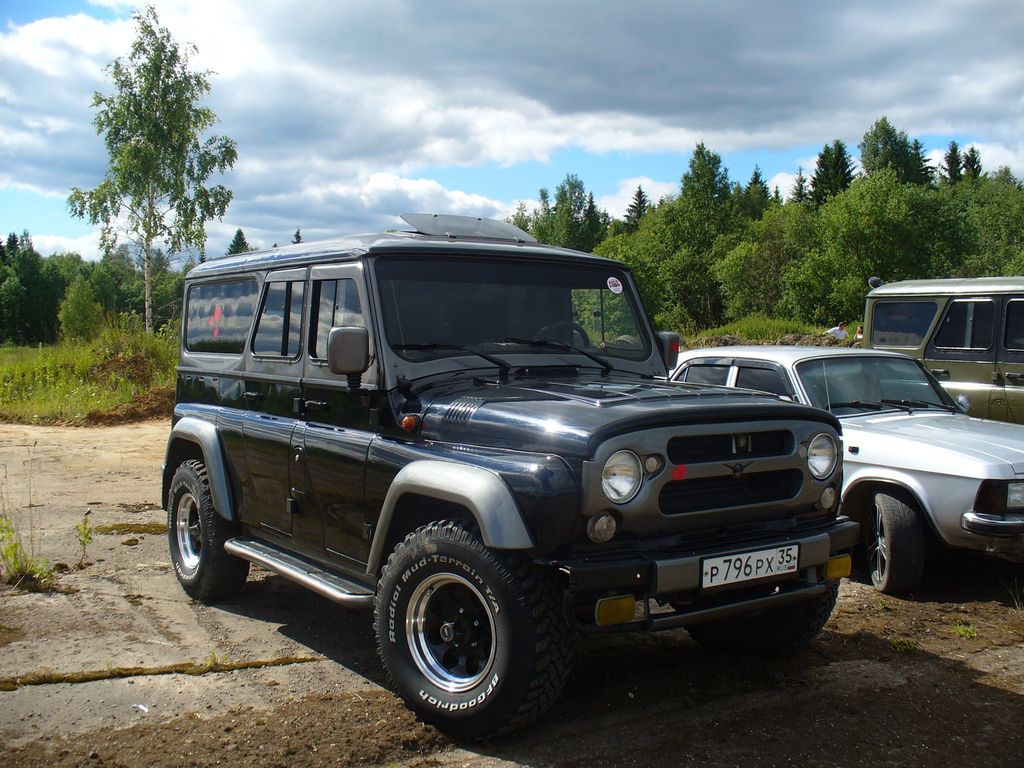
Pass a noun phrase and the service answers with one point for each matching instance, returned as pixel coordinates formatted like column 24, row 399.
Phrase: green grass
column 965, row 631
column 758, row 328
column 88, row 382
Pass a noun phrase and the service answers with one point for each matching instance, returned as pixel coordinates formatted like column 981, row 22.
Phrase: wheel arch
column 429, row 490
column 193, row 438
column 858, row 500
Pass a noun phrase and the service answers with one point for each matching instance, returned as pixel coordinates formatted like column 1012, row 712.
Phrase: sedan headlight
column 1014, row 495
column 822, row 456
column 621, row 476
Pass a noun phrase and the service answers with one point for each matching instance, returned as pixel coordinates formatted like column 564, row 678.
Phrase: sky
column 348, row 113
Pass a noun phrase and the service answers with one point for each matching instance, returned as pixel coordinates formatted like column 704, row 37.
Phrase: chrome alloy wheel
column 878, row 551
column 188, row 532
column 450, row 630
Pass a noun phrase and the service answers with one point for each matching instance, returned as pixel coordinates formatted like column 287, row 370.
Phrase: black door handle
column 939, row 372
column 254, row 396
column 1013, row 376
column 317, row 405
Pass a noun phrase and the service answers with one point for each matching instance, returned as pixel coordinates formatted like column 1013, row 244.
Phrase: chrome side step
column 333, row 587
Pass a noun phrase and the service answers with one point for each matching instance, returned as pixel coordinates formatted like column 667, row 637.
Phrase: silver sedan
column 916, row 467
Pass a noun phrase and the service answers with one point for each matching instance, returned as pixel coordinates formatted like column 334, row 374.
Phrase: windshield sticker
column 614, row 285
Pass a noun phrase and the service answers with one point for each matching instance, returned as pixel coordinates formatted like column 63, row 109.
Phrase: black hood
column 569, row 417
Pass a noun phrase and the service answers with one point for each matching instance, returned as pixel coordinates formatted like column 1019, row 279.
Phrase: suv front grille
column 699, row 449
column 707, row 493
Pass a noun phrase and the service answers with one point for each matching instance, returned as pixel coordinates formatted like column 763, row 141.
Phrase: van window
column 280, row 323
column 967, row 325
column 901, row 323
column 336, row 303
column 218, row 316
column 1014, row 338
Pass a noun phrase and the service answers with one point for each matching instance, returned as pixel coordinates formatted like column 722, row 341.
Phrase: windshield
column 449, row 306
column 857, row 384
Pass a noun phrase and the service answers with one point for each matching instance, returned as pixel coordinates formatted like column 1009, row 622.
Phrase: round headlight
column 621, row 476
column 822, row 456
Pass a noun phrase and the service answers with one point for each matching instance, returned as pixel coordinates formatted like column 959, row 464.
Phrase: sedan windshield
column 856, row 384
column 496, row 307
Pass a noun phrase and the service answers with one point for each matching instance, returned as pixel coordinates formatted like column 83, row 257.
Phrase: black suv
column 471, row 433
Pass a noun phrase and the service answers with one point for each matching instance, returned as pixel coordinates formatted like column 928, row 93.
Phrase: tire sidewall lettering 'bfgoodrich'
column 515, row 621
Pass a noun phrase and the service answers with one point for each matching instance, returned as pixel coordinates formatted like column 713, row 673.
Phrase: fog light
column 838, row 567
column 828, row 497
column 614, row 610
column 653, row 464
column 601, row 528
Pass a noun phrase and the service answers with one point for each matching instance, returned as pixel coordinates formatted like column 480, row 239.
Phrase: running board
column 333, row 587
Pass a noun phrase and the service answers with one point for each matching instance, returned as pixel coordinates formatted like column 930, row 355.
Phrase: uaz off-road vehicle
column 470, row 433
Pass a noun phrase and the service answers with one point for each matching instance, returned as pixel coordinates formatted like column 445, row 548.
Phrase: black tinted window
column 1014, row 338
column 967, row 325
column 762, row 379
column 280, row 323
column 706, row 374
column 901, row 323
column 218, row 316
column 336, row 303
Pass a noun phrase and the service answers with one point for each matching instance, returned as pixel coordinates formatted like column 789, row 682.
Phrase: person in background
column 858, row 335
column 839, row 331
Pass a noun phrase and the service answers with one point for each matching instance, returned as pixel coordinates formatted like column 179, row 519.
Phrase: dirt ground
column 119, row 668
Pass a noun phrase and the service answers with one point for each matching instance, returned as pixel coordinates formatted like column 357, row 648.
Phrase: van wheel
column 895, row 546
column 472, row 639
column 196, row 534
column 770, row 632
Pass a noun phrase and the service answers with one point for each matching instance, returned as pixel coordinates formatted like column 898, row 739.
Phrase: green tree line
column 45, row 298
column 718, row 250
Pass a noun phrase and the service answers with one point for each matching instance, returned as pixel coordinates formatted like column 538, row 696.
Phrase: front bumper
column 676, row 578
column 992, row 525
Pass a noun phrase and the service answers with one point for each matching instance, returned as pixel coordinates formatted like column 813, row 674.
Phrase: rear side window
column 280, row 323
column 218, row 316
column 967, row 325
column 706, row 374
column 761, row 379
column 901, row 323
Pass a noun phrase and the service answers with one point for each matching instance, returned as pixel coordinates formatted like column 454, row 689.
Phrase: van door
column 1010, row 361
column 338, row 412
column 961, row 353
column 271, row 389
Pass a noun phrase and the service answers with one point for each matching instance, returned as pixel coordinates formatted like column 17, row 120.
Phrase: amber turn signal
column 410, row 423
column 838, row 567
column 614, row 610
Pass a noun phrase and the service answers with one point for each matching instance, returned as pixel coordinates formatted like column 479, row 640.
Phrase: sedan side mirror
column 348, row 350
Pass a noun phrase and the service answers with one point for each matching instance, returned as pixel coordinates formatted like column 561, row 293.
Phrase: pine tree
column 754, row 199
column 833, row 173
column 919, row 170
column 637, row 209
column 297, row 237
column 800, row 192
column 238, row 244
column 972, row 164
column 953, row 165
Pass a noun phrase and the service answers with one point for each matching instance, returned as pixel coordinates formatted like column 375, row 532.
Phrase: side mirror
column 348, row 350
column 964, row 402
column 669, row 343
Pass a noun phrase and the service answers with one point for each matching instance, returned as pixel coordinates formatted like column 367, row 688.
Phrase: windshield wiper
column 503, row 367
column 554, row 344
column 871, row 405
column 909, row 404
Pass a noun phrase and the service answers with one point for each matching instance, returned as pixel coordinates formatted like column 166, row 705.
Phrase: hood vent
column 462, row 410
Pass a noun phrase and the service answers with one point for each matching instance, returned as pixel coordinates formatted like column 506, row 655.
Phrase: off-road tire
column 770, row 632
column 895, row 545
column 472, row 639
column 196, row 536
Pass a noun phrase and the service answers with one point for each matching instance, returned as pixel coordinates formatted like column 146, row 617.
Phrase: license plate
column 750, row 566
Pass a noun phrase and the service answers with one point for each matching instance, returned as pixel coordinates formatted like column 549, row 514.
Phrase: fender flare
column 479, row 490
column 205, row 435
